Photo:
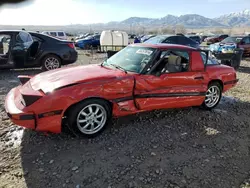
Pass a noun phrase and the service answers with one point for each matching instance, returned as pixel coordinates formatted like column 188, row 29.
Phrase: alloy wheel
column 212, row 96
column 52, row 63
column 91, row 119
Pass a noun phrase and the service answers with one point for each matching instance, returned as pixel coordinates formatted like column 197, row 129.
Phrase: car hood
column 51, row 80
column 83, row 40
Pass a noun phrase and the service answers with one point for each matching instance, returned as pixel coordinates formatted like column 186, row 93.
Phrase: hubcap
column 91, row 119
column 212, row 96
column 51, row 63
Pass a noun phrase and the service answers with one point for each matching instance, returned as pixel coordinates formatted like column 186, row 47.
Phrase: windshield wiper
column 118, row 67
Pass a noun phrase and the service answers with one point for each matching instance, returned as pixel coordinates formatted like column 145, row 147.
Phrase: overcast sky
column 61, row 12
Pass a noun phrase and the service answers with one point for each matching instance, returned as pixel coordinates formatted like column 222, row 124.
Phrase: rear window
column 53, row 34
column 172, row 40
column 195, row 37
column 60, row 34
column 232, row 40
column 155, row 40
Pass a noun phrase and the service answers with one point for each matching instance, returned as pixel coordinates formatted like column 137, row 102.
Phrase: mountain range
column 191, row 21
column 237, row 19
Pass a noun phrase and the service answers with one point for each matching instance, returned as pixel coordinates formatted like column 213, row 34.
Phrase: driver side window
column 172, row 61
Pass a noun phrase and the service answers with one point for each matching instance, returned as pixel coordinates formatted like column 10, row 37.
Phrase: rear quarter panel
column 224, row 73
column 58, row 48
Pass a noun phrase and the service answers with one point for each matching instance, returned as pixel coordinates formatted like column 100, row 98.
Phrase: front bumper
column 17, row 116
column 45, row 121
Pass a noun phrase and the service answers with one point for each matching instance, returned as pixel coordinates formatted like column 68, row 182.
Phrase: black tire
column 219, row 87
column 87, row 47
column 74, row 114
column 50, row 56
column 236, row 64
column 226, row 62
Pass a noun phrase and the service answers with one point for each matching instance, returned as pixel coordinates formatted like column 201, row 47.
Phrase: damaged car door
column 19, row 51
column 171, row 83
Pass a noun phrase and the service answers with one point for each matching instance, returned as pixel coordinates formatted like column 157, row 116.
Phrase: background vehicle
column 195, row 38
column 138, row 78
column 58, row 34
column 88, row 42
column 31, row 49
column 173, row 39
column 146, row 37
column 231, row 43
column 214, row 39
column 82, row 36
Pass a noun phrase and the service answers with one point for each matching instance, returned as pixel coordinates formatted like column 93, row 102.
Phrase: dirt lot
column 189, row 148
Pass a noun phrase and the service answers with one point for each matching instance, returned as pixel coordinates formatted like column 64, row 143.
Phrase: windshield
column 131, row 59
column 155, row 40
column 231, row 40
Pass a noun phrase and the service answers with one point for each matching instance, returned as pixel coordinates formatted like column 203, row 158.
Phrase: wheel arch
column 218, row 81
column 47, row 54
column 67, row 110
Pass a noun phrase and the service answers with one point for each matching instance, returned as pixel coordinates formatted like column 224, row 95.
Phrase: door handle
column 199, row 78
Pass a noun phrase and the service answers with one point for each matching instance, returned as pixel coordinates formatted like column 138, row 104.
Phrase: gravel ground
column 185, row 148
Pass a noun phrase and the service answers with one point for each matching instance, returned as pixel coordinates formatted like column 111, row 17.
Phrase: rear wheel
column 213, row 96
column 51, row 62
column 90, row 117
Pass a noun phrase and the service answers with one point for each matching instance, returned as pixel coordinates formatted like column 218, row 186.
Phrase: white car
column 57, row 34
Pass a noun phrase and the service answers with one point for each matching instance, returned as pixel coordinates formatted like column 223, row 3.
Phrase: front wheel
column 213, row 96
column 51, row 62
column 90, row 117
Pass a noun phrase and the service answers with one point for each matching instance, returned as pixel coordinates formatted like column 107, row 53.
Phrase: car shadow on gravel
column 167, row 148
column 244, row 69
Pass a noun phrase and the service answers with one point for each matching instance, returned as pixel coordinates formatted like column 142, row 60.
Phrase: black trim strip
column 53, row 113
column 159, row 95
column 23, row 117
column 231, row 82
column 27, row 117
column 199, row 78
column 123, row 99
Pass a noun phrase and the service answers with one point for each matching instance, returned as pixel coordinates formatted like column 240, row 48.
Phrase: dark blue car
column 173, row 39
column 89, row 42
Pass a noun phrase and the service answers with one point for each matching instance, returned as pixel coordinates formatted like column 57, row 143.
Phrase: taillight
column 71, row 45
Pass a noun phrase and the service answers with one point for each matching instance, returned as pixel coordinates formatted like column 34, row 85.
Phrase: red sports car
column 141, row 77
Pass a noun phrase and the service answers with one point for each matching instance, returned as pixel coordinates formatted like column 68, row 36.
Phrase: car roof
column 16, row 31
column 163, row 46
column 10, row 31
column 239, row 36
